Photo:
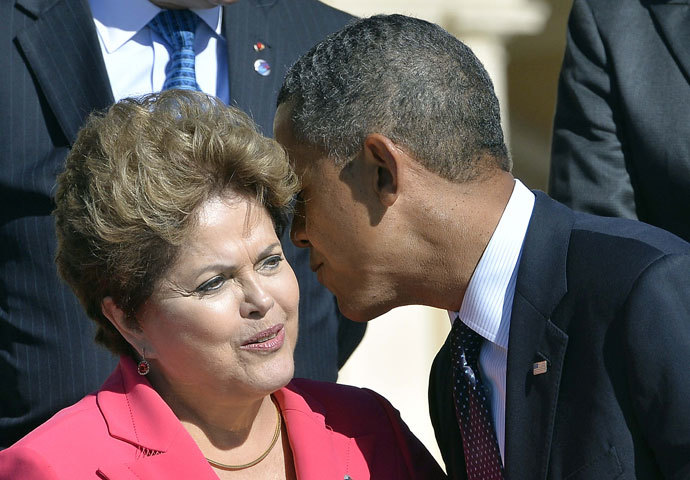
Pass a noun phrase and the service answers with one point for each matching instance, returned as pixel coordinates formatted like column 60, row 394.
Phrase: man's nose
column 298, row 232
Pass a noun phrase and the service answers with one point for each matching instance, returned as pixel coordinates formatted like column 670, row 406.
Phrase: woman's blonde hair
column 133, row 183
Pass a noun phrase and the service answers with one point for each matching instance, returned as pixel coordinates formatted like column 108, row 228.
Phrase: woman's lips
column 269, row 340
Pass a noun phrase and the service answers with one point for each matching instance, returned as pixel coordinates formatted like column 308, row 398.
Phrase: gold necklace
column 276, row 434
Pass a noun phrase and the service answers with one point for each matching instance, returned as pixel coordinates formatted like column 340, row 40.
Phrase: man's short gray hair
column 404, row 78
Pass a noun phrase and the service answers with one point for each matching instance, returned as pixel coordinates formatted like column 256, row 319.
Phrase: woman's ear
column 382, row 157
column 132, row 334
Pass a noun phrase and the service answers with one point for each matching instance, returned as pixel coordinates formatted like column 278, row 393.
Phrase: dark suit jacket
column 606, row 302
column 52, row 76
column 622, row 124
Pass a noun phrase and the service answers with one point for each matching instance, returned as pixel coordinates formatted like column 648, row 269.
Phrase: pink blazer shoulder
column 125, row 431
column 337, row 430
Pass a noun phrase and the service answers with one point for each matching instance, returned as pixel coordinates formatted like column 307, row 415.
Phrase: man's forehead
column 302, row 155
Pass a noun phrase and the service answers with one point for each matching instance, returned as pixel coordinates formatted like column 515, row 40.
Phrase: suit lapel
column 63, row 53
column 244, row 24
column 531, row 399
column 673, row 19
column 136, row 414
column 183, row 459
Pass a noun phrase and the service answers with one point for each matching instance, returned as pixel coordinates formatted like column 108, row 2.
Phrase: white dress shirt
column 488, row 301
column 135, row 56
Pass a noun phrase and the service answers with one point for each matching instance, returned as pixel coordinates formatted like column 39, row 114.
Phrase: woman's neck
column 232, row 430
column 223, row 419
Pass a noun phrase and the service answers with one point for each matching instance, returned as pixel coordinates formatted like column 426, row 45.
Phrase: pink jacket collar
column 136, row 414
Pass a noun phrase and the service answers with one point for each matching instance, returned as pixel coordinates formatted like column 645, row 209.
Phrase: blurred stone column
column 487, row 26
column 396, row 353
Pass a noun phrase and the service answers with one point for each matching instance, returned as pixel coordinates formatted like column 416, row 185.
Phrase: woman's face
column 224, row 318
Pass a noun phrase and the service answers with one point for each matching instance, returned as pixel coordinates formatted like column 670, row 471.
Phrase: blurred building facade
column 521, row 44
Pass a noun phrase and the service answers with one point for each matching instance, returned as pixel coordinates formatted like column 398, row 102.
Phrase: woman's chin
column 275, row 377
column 284, row 376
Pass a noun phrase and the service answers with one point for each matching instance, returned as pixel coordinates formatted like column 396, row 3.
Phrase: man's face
column 333, row 218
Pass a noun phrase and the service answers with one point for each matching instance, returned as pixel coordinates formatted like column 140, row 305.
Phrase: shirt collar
column 493, row 281
column 117, row 22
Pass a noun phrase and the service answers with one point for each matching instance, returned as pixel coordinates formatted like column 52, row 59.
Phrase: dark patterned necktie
column 482, row 455
column 176, row 28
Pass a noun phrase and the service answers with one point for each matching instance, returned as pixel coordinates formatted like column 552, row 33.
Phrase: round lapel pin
column 262, row 67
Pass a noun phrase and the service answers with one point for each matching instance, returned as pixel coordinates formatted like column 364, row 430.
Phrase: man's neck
column 454, row 223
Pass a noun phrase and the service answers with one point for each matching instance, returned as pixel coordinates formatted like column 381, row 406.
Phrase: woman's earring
column 143, row 367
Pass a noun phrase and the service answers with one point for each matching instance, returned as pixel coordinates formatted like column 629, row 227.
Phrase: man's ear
column 132, row 334
column 382, row 156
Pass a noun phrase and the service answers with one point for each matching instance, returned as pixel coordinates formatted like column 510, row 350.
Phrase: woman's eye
column 272, row 262
column 210, row 285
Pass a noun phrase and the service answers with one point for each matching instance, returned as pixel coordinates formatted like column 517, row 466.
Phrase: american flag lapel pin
column 540, row 367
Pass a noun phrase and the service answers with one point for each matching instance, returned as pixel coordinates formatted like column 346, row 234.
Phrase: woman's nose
column 257, row 300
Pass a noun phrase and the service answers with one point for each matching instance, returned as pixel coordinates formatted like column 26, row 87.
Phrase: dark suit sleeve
column 658, row 355
column 588, row 168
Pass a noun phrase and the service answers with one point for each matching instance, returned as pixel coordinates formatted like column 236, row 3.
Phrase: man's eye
column 210, row 285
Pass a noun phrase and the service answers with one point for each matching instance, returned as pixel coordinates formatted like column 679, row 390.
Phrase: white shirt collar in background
column 135, row 57
column 117, row 22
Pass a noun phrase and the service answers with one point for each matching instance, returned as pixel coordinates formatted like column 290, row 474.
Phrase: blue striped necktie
column 176, row 28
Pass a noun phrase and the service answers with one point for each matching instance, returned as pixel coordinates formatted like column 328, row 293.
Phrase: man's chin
column 359, row 312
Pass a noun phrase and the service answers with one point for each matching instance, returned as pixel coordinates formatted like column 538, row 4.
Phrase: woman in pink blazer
column 168, row 215
column 126, row 431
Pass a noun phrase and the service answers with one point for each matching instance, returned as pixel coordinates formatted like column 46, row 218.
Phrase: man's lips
column 268, row 340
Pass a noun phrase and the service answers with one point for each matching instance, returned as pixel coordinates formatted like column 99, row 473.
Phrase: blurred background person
column 61, row 60
column 622, row 124
column 168, row 216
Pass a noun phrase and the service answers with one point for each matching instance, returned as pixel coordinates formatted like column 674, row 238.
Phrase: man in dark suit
column 620, row 138
column 53, row 74
column 570, row 341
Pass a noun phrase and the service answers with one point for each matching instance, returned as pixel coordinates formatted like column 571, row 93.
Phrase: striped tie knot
column 177, row 28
